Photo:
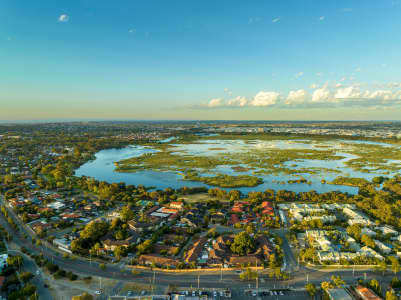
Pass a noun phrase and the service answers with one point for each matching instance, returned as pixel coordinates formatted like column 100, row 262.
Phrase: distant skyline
column 200, row 60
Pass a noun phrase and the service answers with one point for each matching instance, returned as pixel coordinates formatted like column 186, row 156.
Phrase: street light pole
column 154, row 279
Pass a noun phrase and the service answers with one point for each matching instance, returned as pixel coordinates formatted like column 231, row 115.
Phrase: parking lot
column 274, row 294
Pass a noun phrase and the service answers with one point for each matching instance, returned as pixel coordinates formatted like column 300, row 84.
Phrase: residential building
column 3, row 261
column 338, row 294
column 366, row 294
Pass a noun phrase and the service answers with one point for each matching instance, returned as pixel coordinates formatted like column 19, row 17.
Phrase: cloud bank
column 330, row 96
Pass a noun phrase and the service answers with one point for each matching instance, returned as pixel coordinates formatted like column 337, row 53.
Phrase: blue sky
column 220, row 59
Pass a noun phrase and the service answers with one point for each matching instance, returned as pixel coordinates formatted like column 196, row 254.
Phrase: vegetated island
column 225, row 181
column 350, row 181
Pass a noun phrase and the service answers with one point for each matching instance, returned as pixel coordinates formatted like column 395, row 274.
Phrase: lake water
column 103, row 168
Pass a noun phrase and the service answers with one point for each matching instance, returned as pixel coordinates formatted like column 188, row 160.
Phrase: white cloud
column 275, row 20
column 254, row 20
column 238, row 101
column 321, row 18
column 347, row 93
column 63, row 18
column 265, row 98
column 228, row 91
column 132, row 31
column 299, row 74
column 215, row 102
column 381, row 95
column 296, row 97
column 393, row 85
column 321, row 95
column 330, row 95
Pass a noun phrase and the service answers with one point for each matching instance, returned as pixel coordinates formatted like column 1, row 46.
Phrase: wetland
column 249, row 163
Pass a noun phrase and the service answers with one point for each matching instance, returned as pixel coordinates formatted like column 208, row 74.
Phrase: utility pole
column 198, row 281
column 307, row 277
column 154, row 279
column 364, row 274
column 353, row 271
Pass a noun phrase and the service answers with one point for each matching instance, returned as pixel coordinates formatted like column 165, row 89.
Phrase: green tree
column 94, row 230
column 126, row 213
column 338, row 282
column 250, row 228
column 243, row 244
column 326, row 285
column 390, row 296
column 119, row 251
column 15, row 261
column 375, row 286
column 395, row 264
column 311, row 289
column 84, row 296
column 120, row 235
column 26, row 276
column 248, row 274
column 355, row 231
column 382, row 266
column 273, row 261
column 144, row 247
column 367, row 241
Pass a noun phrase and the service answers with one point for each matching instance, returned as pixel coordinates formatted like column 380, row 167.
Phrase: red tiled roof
column 169, row 210
column 266, row 204
column 367, row 294
column 234, row 219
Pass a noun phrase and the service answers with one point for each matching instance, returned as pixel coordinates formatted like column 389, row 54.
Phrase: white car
column 37, row 272
column 98, row 292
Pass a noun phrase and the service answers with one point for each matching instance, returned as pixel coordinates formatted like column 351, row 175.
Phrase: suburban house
column 366, row 294
column 177, row 205
column 194, row 253
column 149, row 259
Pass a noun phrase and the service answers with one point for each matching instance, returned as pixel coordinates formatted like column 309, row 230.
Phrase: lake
column 103, row 169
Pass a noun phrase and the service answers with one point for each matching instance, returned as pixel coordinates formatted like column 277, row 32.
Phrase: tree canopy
column 243, row 244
